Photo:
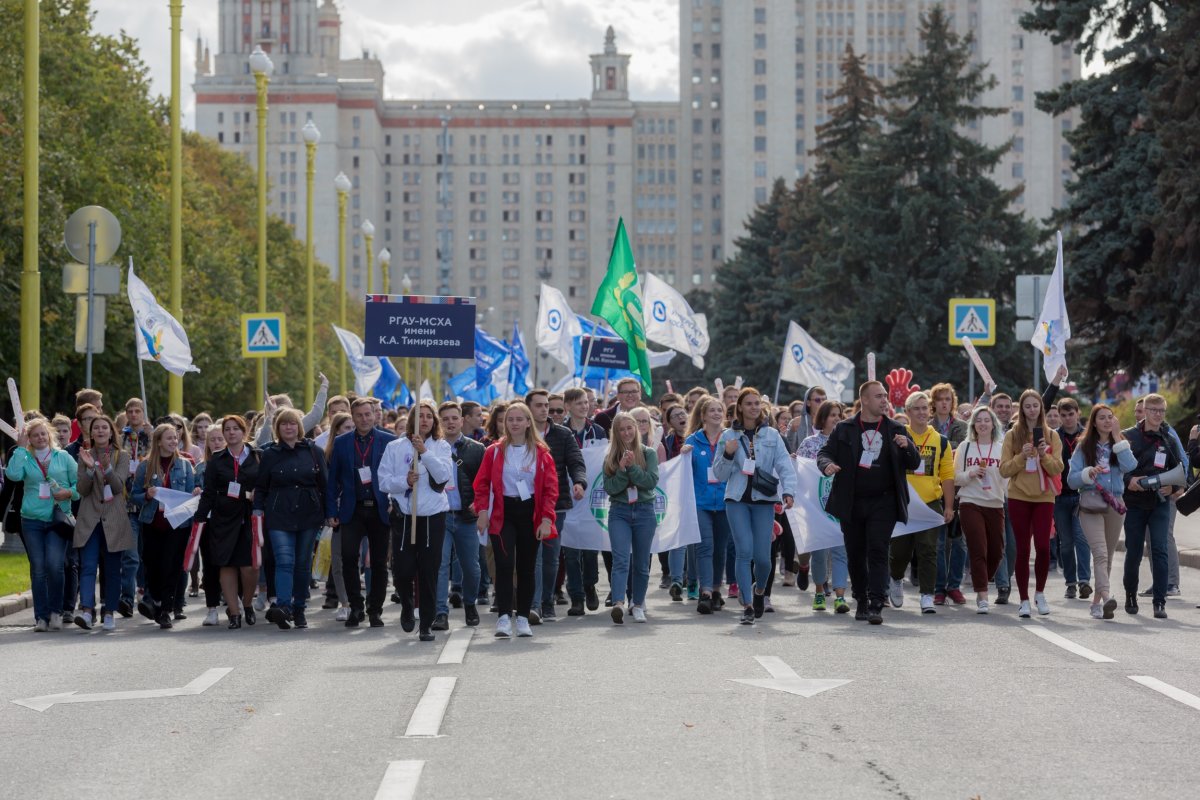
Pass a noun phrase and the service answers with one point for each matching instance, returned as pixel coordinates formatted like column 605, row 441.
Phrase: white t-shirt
column 519, row 468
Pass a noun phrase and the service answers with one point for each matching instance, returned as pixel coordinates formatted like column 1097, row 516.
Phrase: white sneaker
column 342, row 614
column 896, row 593
column 40, row 626
column 1097, row 611
column 767, row 607
column 1039, row 598
column 523, row 629
column 1023, row 613
column 56, row 622
column 109, row 624
column 981, row 606
column 789, row 579
column 211, row 618
column 638, row 614
column 84, row 620
column 260, row 603
column 504, row 626
column 927, row 604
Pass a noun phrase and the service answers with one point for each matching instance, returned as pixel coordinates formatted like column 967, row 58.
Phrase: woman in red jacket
column 515, row 493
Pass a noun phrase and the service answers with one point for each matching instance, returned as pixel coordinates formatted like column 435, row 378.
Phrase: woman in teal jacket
column 49, row 475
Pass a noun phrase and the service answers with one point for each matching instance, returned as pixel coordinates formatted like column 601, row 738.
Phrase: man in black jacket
column 462, row 540
column 572, row 483
column 867, row 456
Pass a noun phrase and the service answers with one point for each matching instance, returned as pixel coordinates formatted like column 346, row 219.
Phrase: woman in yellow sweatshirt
column 1032, row 454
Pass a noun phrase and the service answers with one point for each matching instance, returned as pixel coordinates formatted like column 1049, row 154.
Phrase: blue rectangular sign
column 419, row 326
column 605, row 353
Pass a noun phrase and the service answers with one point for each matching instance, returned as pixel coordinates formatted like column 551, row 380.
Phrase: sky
column 454, row 49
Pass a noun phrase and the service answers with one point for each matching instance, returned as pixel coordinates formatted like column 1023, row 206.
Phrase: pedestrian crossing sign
column 264, row 335
column 974, row 318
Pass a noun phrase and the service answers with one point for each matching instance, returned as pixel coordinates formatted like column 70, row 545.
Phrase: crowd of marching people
column 456, row 506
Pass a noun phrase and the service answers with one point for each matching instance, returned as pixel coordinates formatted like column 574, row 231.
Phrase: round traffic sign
column 108, row 234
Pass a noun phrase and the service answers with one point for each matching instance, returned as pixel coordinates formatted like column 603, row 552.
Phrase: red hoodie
column 489, row 488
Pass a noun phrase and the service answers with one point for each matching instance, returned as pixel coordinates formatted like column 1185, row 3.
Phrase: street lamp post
column 31, row 278
column 385, row 265
column 261, row 66
column 312, row 137
column 175, row 382
column 342, row 184
column 368, row 232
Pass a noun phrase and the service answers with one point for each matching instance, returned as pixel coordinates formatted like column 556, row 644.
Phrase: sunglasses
column 558, row 411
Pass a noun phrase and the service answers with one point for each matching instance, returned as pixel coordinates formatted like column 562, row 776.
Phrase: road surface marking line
column 426, row 718
column 456, row 646
column 198, row 686
column 1068, row 645
column 776, row 666
column 400, row 781
column 1170, row 691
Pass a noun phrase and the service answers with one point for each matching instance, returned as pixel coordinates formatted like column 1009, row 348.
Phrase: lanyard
column 45, row 468
column 103, row 463
column 921, row 443
column 712, row 445
column 867, row 436
column 991, row 444
column 364, row 454
column 237, row 463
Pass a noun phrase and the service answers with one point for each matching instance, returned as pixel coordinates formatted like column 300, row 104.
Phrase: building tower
column 610, row 72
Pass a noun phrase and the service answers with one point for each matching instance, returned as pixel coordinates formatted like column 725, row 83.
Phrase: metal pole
column 1037, row 371
column 970, row 383
column 174, row 382
column 342, row 279
column 260, row 81
column 412, row 508
column 31, row 279
column 310, row 361
column 444, row 232
column 370, row 242
column 91, row 299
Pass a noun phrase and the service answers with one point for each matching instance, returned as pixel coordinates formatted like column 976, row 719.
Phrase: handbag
column 64, row 523
column 1091, row 502
column 1189, row 501
column 762, row 481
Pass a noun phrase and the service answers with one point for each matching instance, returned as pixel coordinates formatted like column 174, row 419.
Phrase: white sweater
column 971, row 489
column 435, row 464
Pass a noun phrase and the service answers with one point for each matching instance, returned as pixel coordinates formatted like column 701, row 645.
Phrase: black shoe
column 377, row 621
column 148, row 611
column 330, row 604
column 608, row 600
column 280, row 617
column 591, row 598
column 548, row 612
column 802, row 579
column 426, row 636
column 560, row 599
column 664, row 582
column 125, row 609
column 875, row 615
column 235, row 621
column 298, row 618
column 179, row 615
column 704, row 605
column 396, row 598
column 1071, row 594
column 1085, row 590
column 860, row 612
column 1160, row 610
column 354, row 618
column 472, row 615
column 576, row 609
column 456, row 600
column 759, row 605
column 407, row 620
column 164, row 621
column 535, row 617
column 312, row 584
column 1002, row 593
column 676, row 592
column 1131, row 603
column 251, row 615
column 718, row 601
column 747, row 616
column 440, row 623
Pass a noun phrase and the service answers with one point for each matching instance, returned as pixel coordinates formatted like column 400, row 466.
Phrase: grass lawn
column 14, row 573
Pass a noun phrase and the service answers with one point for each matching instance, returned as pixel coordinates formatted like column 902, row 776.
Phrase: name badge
column 985, row 484
column 712, row 476
column 631, row 494
column 867, row 459
column 108, row 495
column 523, row 490
column 748, row 466
column 1160, row 460
column 1031, row 465
column 234, row 490
column 450, row 487
column 43, row 491
column 364, row 475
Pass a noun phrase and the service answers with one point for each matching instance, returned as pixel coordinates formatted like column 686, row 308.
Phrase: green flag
column 619, row 303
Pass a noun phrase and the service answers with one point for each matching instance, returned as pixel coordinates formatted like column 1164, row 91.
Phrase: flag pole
column 412, row 505
column 141, row 368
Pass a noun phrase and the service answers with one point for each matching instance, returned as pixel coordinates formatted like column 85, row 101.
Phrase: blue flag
column 385, row 386
column 404, row 397
column 463, row 385
column 518, row 368
column 489, row 352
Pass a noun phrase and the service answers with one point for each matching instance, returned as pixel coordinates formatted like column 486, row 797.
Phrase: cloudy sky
column 468, row 49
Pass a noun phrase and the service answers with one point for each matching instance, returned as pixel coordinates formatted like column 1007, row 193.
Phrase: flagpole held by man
column 619, row 303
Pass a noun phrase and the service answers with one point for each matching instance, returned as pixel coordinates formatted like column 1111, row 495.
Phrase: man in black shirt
column 1073, row 552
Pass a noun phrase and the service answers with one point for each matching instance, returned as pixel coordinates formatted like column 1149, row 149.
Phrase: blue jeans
column 950, row 566
column 293, row 565
column 750, row 525
column 70, row 581
column 730, row 558
column 545, row 570
column 463, row 540
column 1074, row 555
column 710, row 553
column 47, row 559
column 1139, row 522
column 631, row 531
column 830, row 560
column 1008, row 563
column 681, row 563
column 582, row 571
column 131, row 563
column 90, row 555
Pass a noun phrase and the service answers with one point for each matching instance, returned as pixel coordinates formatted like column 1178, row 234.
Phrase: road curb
column 14, row 603
column 1187, row 558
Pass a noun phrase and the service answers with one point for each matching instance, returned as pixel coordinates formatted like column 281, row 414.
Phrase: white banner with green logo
column 586, row 526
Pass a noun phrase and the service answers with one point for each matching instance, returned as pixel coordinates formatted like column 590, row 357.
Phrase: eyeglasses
column 558, row 411
column 629, row 392
column 1155, row 410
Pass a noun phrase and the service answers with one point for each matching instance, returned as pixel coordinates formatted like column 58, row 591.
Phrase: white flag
column 557, row 327
column 425, row 392
column 1053, row 329
column 586, row 525
column 670, row 321
column 367, row 369
column 807, row 363
column 160, row 337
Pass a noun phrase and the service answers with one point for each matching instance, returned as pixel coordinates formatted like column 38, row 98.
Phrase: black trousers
column 421, row 559
column 210, row 574
column 515, row 546
column 365, row 522
column 868, row 534
column 163, row 556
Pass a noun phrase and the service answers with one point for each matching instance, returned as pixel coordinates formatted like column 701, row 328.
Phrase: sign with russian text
column 419, row 326
column 604, row 353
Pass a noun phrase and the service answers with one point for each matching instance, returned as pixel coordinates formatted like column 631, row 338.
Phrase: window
column 760, row 93
column 760, row 66
column 760, row 117
column 760, row 16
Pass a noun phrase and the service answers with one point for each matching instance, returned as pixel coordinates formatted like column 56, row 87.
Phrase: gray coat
column 118, row 535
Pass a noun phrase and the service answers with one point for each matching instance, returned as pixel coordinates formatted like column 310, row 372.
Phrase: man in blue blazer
column 353, row 500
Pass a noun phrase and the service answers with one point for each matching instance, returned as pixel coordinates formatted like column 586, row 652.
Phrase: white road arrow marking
column 785, row 679
column 198, row 686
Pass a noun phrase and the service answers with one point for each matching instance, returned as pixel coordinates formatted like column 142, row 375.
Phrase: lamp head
column 310, row 133
column 385, row 257
column 260, row 62
column 342, row 183
column 406, row 284
column 367, row 228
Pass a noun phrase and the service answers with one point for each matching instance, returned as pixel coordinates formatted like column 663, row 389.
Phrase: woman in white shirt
column 419, row 464
column 981, row 491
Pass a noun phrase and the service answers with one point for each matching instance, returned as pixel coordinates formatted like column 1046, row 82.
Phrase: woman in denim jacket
column 751, row 445
column 1098, row 468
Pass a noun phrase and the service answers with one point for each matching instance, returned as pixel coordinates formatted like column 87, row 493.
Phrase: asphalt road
column 946, row 706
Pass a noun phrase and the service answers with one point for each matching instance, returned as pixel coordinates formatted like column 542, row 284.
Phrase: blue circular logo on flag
column 554, row 319
column 659, row 310
column 798, row 353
